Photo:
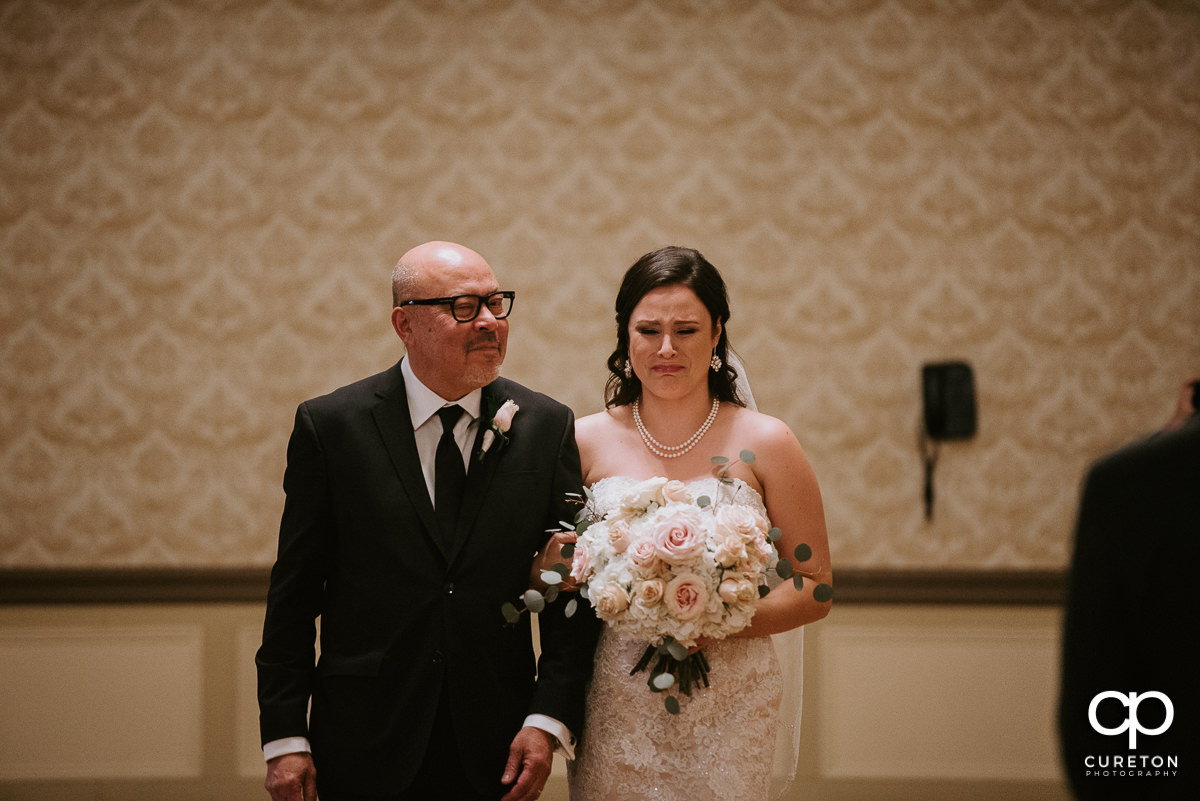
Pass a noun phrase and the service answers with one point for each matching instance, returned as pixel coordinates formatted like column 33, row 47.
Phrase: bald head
column 422, row 265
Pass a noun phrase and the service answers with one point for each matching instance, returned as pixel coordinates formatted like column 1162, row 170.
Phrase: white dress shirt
column 423, row 406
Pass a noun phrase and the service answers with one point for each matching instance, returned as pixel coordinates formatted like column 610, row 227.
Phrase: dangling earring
column 628, row 369
column 715, row 363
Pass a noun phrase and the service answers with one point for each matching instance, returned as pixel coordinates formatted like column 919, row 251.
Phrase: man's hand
column 528, row 766
column 550, row 556
column 292, row 777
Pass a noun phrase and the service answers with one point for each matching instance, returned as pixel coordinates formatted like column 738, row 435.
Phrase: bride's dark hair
column 670, row 266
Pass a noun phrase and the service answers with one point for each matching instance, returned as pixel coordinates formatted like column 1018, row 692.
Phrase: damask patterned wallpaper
column 202, row 201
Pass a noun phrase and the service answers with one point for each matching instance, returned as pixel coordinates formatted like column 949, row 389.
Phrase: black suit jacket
column 1132, row 619
column 401, row 617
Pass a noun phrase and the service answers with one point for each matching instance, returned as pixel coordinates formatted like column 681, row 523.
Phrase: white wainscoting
column 101, row 702
column 944, row 695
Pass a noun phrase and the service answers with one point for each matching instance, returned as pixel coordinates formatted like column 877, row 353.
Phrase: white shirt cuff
column 288, row 745
column 566, row 740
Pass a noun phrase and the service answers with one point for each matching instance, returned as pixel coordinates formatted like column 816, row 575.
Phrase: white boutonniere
column 499, row 428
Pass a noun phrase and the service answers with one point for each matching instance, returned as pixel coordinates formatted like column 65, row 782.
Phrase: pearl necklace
column 674, row 451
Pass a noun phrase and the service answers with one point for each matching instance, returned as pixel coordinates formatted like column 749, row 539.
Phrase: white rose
column 740, row 519
column 651, row 591
column 643, row 494
column 737, row 590
column 673, row 492
column 612, row 601
column 618, row 536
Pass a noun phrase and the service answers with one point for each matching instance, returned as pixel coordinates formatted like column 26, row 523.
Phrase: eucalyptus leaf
column 510, row 612
column 672, row 704
column 569, row 609
column 823, row 593
column 534, row 600
column 552, row 577
column 783, row 569
column 566, row 526
column 747, row 457
column 568, row 550
column 803, row 552
column 720, row 460
column 677, row 650
column 703, row 501
column 561, row 569
column 798, row 581
column 773, row 535
column 551, row 594
column 663, row 681
column 763, row 590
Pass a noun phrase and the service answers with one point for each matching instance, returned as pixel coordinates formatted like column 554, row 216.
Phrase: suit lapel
column 395, row 427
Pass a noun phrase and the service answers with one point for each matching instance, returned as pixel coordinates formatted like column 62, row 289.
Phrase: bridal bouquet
column 669, row 568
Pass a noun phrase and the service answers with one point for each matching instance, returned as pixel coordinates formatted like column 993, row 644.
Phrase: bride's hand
column 700, row 643
column 548, row 557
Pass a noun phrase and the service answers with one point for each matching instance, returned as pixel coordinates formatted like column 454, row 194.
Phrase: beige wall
column 201, row 203
column 904, row 703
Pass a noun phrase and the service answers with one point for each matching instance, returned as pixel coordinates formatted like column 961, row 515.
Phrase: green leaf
column 677, row 650
column 569, row 609
column 720, row 460
column 561, row 569
column 823, row 593
column 566, row 526
column 552, row 577
column 663, row 681
column 672, row 704
column 568, row 550
column 534, row 601
column 703, row 501
column 551, row 594
column 798, row 581
column 763, row 590
column 510, row 613
column 803, row 553
column 747, row 457
column 783, row 569
column 773, row 535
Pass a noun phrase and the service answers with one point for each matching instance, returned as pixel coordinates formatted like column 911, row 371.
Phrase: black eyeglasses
column 465, row 308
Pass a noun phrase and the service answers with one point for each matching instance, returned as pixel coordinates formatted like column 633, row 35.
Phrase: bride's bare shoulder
column 594, row 428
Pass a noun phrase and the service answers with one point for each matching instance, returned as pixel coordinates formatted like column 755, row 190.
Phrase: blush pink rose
column 644, row 556
column 504, row 417
column 686, row 597
column 680, row 537
column 581, row 562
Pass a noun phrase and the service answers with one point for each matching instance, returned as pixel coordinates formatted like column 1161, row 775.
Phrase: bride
column 673, row 402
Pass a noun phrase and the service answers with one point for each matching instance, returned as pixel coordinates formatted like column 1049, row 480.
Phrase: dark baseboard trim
column 133, row 585
column 249, row 585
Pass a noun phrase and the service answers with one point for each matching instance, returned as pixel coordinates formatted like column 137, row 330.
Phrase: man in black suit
column 1129, row 658
column 422, row 691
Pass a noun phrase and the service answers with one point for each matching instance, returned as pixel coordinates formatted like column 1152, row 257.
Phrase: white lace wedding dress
column 721, row 745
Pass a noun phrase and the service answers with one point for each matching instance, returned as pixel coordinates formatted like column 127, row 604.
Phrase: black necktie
column 449, row 476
